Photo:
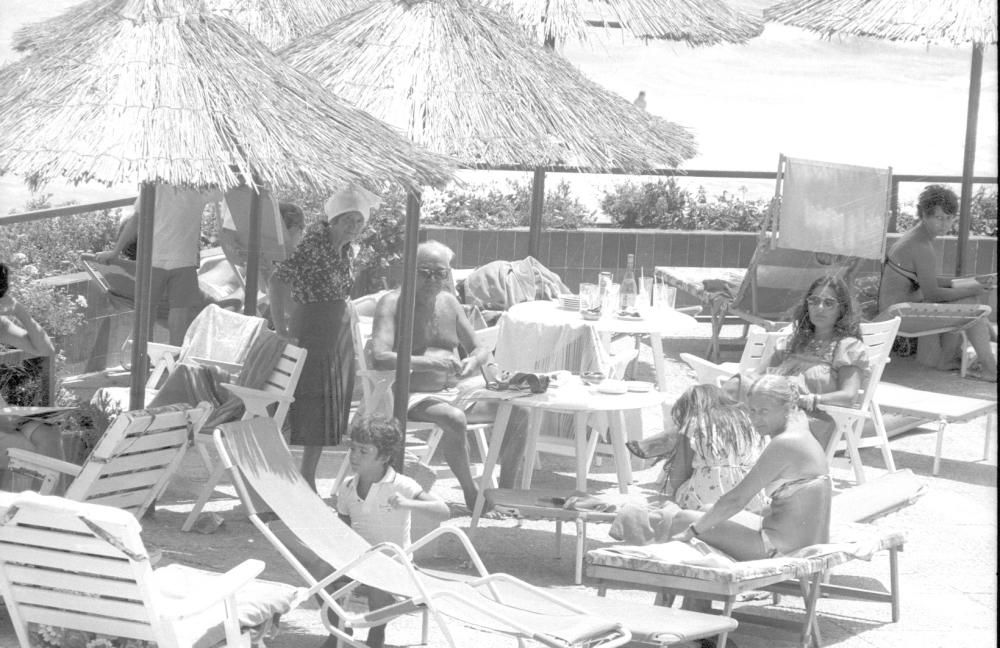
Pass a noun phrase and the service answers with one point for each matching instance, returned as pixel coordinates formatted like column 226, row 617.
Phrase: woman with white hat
column 318, row 277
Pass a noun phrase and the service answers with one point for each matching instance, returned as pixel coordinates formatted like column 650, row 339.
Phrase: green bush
column 664, row 204
column 504, row 207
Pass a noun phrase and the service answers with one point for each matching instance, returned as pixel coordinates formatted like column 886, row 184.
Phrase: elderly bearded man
column 440, row 328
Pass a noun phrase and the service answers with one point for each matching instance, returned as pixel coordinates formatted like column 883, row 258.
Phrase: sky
column 848, row 100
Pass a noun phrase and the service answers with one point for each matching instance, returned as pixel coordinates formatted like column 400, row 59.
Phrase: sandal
column 635, row 449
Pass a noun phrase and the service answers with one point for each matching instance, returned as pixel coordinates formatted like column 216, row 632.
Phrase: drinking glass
column 646, row 289
column 664, row 296
column 610, row 304
column 590, row 296
column 126, row 355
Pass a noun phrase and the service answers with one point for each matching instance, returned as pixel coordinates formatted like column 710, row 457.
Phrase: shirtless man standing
column 440, row 327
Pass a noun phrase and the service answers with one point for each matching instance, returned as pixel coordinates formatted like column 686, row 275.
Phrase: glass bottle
column 628, row 291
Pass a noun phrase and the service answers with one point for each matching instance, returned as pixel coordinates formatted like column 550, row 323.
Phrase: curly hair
column 383, row 432
column 4, row 279
column 936, row 195
column 708, row 413
column 847, row 324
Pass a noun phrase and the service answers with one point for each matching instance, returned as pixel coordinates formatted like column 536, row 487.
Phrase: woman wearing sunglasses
column 824, row 353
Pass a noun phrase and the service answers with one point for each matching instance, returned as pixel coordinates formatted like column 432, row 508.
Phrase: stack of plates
column 569, row 302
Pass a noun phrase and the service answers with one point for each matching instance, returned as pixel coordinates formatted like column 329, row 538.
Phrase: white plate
column 612, row 387
column 638, row 386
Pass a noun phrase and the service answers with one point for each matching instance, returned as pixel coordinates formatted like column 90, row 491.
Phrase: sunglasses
column 824, row 302
column 432, row 273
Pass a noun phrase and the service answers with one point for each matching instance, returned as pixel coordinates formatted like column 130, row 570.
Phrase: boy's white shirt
column 373, row 517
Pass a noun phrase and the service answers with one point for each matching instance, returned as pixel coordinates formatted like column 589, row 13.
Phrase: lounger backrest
column 136, row 456
column 76, row 566
column 920, row 319
column 285, row 377
column 758, row 350
column 878, row 338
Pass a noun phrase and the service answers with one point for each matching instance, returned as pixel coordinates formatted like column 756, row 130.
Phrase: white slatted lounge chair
column 83, row 567
column 132, row 462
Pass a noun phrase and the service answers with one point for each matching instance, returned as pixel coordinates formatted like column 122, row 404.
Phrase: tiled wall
column 578, row 255
column 575, row 255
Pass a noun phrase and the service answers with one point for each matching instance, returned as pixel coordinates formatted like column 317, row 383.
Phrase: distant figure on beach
column 640, row 101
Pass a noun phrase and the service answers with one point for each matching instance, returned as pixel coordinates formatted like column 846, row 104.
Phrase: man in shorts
column 176, row 233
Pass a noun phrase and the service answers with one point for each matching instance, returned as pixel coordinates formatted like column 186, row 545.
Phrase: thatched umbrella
column 273, row 22
column 955, row 22
column 465, row 81
column 162, row 91
column 696, row 22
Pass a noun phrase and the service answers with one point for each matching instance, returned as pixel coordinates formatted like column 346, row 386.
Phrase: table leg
column 582, row 455
column 531, row 447
column 581, row 545
column 623, row 466
column 499, row 430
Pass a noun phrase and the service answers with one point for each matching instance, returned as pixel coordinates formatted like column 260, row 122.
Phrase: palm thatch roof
column 696, row 22
column 954, row 22
column 465, row 81
column 163, row 91
column 273, row 22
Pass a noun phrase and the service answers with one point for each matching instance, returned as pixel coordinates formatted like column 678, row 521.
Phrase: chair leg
column 433, row 439
column 810, row 594
column 852, row 450
column 206, row 492
column 991, row 425
column 894, row 582
column 883, row 436
column 727, row 610
column 942, row 424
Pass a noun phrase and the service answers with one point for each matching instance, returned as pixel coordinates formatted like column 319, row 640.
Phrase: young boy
column 376, row 500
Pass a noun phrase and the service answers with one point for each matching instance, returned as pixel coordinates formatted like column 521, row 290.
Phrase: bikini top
column 903, row 272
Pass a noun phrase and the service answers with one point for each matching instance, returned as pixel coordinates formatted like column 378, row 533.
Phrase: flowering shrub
column 666, row 205
column 45, row 636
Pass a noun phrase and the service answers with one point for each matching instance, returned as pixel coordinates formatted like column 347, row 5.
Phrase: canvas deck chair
column 825, row 219
column 83, row 567
column 257, row 457
column 132, row 462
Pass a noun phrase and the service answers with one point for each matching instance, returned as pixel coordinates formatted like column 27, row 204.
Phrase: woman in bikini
column 910, row 275
column 792, row 470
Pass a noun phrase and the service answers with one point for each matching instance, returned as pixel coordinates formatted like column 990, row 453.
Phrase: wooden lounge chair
column 132, row 462
column 83, row 567
column 802, row 573
column 256, row 456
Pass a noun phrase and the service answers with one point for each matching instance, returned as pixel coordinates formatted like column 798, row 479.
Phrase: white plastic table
column 523, row 322
column 581, row 401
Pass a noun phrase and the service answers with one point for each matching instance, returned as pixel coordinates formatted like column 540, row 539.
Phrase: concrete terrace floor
column 947, row 571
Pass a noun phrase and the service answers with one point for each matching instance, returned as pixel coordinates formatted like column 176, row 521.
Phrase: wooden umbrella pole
column 537, row 207
column 404, row 311
column 253, row 251
column 968, row 164
column 143, row 318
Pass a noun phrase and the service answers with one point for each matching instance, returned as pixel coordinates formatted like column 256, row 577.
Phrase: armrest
column 28, row 460
column 247, row 394
column 230, row 367
column 156, row 350
column 221, row 588
column 843, row 411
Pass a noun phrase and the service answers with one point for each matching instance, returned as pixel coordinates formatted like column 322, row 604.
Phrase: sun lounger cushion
column 258, row 604
column 810, row 560
column 875, row 498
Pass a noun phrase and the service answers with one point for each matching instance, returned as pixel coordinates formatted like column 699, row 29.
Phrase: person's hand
column 684, row 536
column 446, row 364
column 469, row 365
column 397, row 501
column 7, row 304
column 106, row 257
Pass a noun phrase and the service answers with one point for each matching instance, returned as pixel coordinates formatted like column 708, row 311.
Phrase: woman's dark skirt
column 319, row 415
